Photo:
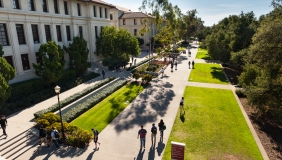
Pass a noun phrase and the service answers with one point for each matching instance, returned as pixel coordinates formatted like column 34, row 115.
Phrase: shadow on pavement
column 140, row 154
column 151, row 155
column 160, row 147
column 158, row 96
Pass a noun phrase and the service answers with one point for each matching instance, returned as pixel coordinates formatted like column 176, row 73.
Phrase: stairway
column 18, row 145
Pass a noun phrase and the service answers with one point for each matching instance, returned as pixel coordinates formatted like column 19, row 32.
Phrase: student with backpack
column 43, row 136
column 142, row 134
column 95, row 133
column 162, row 127
column 154, row 133
column 55, row 136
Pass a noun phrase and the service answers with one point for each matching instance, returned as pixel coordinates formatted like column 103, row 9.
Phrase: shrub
column 67, row 75
column 73, row 97
column 136, row 76
column 240, row 93
column 47, row 119
column 147, row 78
column 92, row 101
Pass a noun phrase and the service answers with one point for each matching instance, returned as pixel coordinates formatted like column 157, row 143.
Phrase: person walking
column 161, row 128
column 162, row 72
column 103, row 73
column 175, row 65
column 142, row 134
column 182, row 103
column 54, row 137
column 189, row 64
column 43, row 136
column 154, row 133
column 95, row 133
column 193, row 64
column 4, row 124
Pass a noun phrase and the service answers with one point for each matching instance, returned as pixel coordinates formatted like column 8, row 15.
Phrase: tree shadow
column 217, row 73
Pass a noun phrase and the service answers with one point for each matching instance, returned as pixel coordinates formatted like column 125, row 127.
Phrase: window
column 35, row 33
column 135, row 22
column 80, row 31
column 68, row 33
column 78, row 10
column 9, row 59
column 25, row 62
column 66, row 8
column 48, row 33
column 16, row 4
column 3, row 35
column 94, row 11
column 106, row 13
column 38, row 58
column 111, row 17
column 135, row 32
column 123, row 22
column 56, row 7
column 44, row 6
column 96, row 32
column 100, row 10
column 31, row 5
column 20, row 33
column 59, row 35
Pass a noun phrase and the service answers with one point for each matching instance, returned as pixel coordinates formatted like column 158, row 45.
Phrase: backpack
column 96, row 132
column 57, row 135
column 164, row 127
column 142, row 133
column 44, row 133
column 154, row 130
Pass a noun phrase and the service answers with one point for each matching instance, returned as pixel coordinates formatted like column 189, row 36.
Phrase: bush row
column 76, row 137
column 43, row 94
column 138, row 64
column 92, row 101
column 73, row 97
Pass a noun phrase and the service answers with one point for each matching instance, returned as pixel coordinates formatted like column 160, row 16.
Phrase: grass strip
column 104, row 112
column 203, row 54
column 73, row 98
column 208, row 73
column 212, row 127
column 81, row 108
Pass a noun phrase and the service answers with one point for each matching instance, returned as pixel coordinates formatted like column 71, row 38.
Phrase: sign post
column 177, row 151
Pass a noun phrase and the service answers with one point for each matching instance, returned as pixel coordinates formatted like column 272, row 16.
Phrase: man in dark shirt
column 142, row 134
column 3, row 123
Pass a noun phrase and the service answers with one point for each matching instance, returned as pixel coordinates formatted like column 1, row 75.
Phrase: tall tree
column 7, row 72
column 52, row 67
column 78, row 53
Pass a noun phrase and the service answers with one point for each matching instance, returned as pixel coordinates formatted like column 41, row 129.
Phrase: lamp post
column 57, row 90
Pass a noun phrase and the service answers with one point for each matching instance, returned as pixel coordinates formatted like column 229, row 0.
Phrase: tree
column 7, row 72
column 78, row 53
column 52, row 67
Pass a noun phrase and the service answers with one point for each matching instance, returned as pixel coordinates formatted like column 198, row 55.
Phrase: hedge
column 73, row 98
column 81, row 108
column 138, row 64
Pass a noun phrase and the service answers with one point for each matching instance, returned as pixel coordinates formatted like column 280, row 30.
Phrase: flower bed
column 138, row 64
column 92, row 101
column 73, row 98
column 153, row 68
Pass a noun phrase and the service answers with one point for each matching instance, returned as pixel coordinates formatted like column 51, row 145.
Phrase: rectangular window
column 9, row 59
column 20, row 33
column 80, row 31
column 100, row 10
column 44, row 6
column 31, row 5
column 38, row 58
column 56, row 7
column 3, row 35
column 35, row 33
column 68, row 33
column 135, row 32
column 135, row 22
column 123, row 22
column 106, row 13
column 16, row 4
column 66, row 8
column 94, row 11
column 48, row 33
column 96, row 32
column 59, row 35
column 111, row 17
column 25, row 61
column 78, row 10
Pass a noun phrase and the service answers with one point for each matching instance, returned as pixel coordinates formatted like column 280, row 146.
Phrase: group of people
column 120, row 66
column 54, row 136
column 143, row 132
column 189, row 63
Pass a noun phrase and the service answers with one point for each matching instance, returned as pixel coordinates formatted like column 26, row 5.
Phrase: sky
column 210, row 11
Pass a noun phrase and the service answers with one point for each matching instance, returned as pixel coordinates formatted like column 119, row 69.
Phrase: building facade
column 26, row 24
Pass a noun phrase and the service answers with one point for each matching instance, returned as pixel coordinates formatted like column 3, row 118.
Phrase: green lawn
column 103, row 113
column 203, row 54
column 208, row 73
column 212, row 127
